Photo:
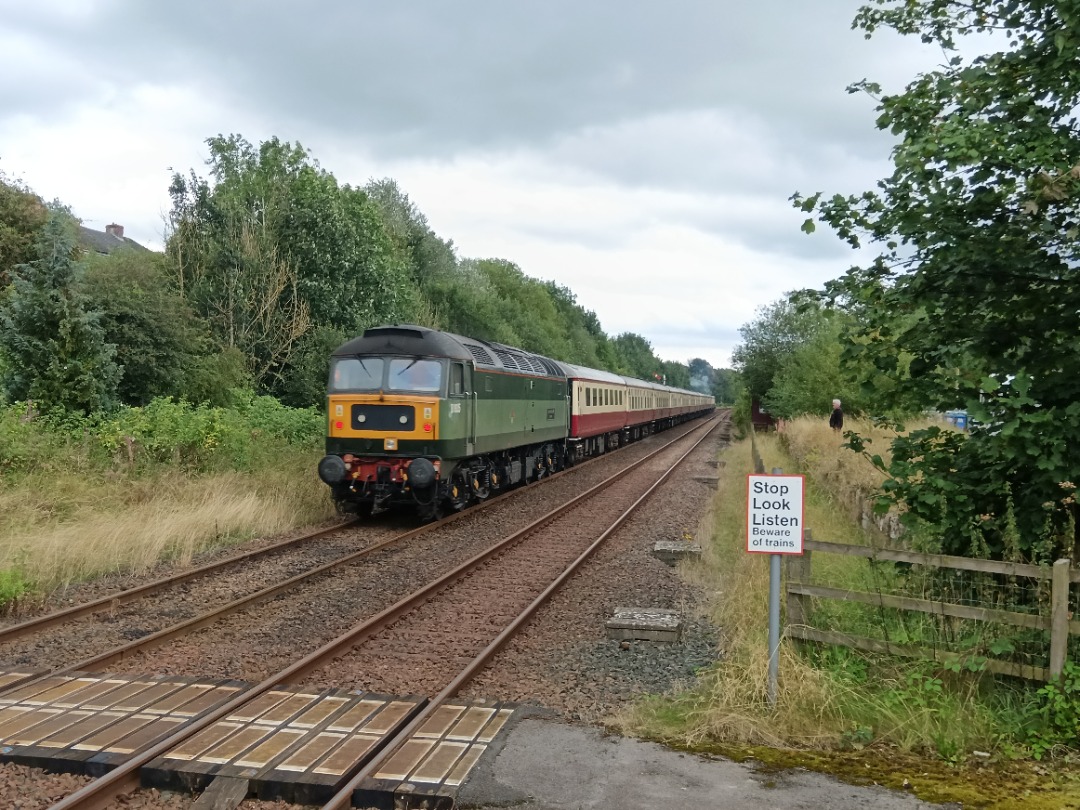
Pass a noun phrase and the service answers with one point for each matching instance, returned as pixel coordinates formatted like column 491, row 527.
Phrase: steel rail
column 112, row 601
column 343, row 798
column 99, row 794
column 209, row 617
column 131, row 594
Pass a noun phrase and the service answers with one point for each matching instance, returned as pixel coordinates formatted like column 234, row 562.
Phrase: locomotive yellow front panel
column 390, row 416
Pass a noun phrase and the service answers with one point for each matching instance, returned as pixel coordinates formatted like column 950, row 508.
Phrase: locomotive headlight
column 403, row 419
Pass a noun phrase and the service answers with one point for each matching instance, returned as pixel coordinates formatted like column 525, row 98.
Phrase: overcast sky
column 640, row 153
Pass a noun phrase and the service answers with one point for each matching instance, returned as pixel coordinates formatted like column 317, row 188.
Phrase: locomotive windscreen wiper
column 413, row 363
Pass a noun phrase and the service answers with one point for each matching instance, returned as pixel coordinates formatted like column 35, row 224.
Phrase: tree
column 675, row 374
column 976, row 279
column 425, row 253
column 635, row 356
column 271, row 248
column 53, row 345
column 727, row 386
column 22, row 218
column 778, row 331
column 158, row 340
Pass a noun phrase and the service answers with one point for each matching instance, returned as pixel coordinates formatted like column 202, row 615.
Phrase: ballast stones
column 645, row 624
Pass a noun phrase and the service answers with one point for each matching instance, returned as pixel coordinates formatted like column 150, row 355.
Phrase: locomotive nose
column 332, row 470
column 421, row 473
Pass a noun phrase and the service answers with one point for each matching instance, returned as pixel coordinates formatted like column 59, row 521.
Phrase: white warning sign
column 774, row 514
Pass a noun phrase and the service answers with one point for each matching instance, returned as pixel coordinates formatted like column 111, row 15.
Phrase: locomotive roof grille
column 480, row 354
column 508, row 360
column 550, row 367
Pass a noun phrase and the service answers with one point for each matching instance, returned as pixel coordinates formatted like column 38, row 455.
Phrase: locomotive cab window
column 356, row 373
column 457, row 380
column 415, row 374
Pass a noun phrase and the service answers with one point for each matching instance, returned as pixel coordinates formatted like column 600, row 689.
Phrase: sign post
column 774, row 526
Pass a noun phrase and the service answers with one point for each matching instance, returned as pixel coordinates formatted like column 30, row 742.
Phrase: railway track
column 124, row 642
column 569, row 545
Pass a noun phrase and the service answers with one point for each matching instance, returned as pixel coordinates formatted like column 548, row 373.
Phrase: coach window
column 457, row 380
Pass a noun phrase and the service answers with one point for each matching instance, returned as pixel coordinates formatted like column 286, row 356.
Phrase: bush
column 195, row 438
column 1056, row 713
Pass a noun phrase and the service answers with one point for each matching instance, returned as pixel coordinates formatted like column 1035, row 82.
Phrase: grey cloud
column 430, row 77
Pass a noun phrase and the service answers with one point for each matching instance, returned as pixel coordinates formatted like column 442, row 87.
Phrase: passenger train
column 437, row 421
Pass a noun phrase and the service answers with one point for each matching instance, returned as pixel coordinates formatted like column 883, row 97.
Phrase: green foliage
column 976, row 278
column 1056, row 713
column 778, row 330
column 424, row 253
column 203, row 437
column 587, row 344
column 727, row 385
column 158, row 340
column 164, row 432
column 22, row 218
column 792, row 359
column 13, row 586
column 675, row 374
column 635, row 356
column 213, row 378
column 53, row 344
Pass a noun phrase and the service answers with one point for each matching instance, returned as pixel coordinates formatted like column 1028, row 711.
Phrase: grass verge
column 56, row 528
column 898, row 722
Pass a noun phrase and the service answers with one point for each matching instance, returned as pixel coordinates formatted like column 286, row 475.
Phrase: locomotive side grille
column 383, row 417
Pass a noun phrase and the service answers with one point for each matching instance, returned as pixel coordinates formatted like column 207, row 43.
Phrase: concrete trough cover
column 672, row 551
column 645, row 624
column 431, row 767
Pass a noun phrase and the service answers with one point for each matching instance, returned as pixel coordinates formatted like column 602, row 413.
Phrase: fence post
column 798, row 570
column 1059, row 617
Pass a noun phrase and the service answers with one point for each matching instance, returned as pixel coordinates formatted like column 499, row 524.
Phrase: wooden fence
column 1059, row 623
column 799, row 591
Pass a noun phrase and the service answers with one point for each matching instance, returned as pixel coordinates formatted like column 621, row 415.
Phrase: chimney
column 115, row 230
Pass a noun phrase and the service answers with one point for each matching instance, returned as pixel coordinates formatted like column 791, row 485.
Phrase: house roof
column 102, row 242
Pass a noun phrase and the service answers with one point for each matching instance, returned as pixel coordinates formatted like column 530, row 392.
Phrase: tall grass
column 84, row 497
column 87, row 528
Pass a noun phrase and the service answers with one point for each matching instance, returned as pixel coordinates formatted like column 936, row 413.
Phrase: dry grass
column 57, row 531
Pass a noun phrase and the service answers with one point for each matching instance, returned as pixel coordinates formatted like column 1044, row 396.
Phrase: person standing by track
column 836, row 420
